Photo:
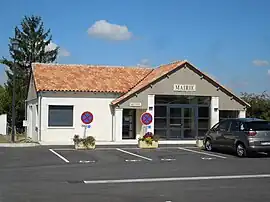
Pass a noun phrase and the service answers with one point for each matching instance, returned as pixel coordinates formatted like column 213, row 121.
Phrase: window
column 257, row 125
column 60, row 116
column 226, row 114
column 224, row 126
column 235, row 125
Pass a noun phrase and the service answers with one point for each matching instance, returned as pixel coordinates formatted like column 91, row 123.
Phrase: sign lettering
column 184, row 87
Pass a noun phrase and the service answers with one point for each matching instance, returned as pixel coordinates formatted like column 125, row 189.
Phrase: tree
column 260, row 105
column 32, row 46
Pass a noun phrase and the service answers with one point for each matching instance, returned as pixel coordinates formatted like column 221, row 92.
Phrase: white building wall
column 99, row 106
column 3, row 124
column 151, row 110
column 242, row 114
column 214, row 111
column 118, row 124
column 32, row 119
column 139, row 125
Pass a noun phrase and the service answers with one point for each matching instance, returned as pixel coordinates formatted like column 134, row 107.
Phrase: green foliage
column 32, row 46
column 90, row 140
column 260, row 105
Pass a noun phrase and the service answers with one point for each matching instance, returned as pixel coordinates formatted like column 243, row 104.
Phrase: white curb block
column 18, row 144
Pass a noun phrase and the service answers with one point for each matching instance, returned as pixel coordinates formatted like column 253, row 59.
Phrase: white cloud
column 144, row 63
column 62, row 52
column 260, row 62
column 105, row 30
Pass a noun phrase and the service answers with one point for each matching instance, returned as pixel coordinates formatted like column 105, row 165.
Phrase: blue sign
column 89, row 126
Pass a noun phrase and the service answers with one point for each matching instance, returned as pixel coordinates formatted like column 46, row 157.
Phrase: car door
column 221, row 132
column 230, row 135
column 213, row 134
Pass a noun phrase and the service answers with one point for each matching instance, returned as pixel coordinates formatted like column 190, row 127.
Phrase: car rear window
column 257, row 125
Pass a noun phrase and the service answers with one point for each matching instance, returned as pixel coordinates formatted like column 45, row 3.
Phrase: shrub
column 90, row 140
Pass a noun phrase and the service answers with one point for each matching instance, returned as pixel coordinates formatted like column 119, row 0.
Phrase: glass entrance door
column 182, row 122
column 129, row 124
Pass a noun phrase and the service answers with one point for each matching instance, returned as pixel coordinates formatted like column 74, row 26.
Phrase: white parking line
column 143, row 157
column 167, row 159
column 198, row 152
column 61, row 157
column 177, row 179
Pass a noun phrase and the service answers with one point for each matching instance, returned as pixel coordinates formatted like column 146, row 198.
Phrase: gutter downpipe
column 113, row 121
column 39, row 114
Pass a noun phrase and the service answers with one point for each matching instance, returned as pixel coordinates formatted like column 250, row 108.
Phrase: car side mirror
column 213, row 129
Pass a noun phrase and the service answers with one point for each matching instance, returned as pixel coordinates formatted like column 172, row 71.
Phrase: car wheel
column 241, row 150
column 208, row 145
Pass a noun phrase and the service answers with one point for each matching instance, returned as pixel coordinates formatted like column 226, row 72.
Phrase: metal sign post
column 87, row 118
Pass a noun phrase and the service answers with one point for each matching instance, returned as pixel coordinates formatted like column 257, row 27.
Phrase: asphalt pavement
column 124, row 174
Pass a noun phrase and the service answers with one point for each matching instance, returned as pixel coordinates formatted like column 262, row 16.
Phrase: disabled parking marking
column 60, row 156
column 207, row 158
column 130, row 153
column 165, row 159
column 132, row 160
column 81, row 161
column 204, row 153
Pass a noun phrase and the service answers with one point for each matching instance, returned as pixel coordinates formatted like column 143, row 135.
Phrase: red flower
column 148, row 134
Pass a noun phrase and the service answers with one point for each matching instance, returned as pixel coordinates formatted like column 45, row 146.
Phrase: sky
column 229, row 39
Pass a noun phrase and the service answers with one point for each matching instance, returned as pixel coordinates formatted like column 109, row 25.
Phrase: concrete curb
column 19, row 144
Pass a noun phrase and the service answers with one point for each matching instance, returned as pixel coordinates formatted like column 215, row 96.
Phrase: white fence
column 3, row 124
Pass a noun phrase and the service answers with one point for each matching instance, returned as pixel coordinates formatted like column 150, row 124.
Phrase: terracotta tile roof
column 150, row 78
column 115, row 79
column 87, row 78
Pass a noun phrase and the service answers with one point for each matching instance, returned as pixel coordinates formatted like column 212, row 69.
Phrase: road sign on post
column 87, row 117
column 146, row 118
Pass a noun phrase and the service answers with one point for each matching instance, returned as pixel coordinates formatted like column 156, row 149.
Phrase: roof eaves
column 122, row 98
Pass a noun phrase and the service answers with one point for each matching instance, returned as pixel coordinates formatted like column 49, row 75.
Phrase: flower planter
column 144, row 145
column 199, row 143
column 82, row 146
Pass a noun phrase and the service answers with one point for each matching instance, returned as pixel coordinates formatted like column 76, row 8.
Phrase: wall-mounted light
column 167, row 76
column 216, row 109
column 136, row 94
column 151, row 86
column 231, row 98
column 218, row 88
column 201, row 77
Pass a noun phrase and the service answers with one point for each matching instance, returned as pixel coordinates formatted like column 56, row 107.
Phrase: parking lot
column 169, row 173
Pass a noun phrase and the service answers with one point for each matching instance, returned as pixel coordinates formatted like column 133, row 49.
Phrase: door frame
column 194, row 108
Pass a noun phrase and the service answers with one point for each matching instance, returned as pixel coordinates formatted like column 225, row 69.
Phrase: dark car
column 242, row 135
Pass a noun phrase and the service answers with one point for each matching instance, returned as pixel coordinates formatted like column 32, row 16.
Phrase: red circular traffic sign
column 87, row 117
column 146, row 118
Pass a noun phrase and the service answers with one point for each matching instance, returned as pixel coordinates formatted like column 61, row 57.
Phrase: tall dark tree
column 33, row 45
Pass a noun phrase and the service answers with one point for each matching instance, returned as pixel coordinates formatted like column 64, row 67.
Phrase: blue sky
column 229, row 40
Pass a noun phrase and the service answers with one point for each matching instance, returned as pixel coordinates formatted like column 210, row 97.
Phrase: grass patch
column 4, row 139
column 19, row 138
